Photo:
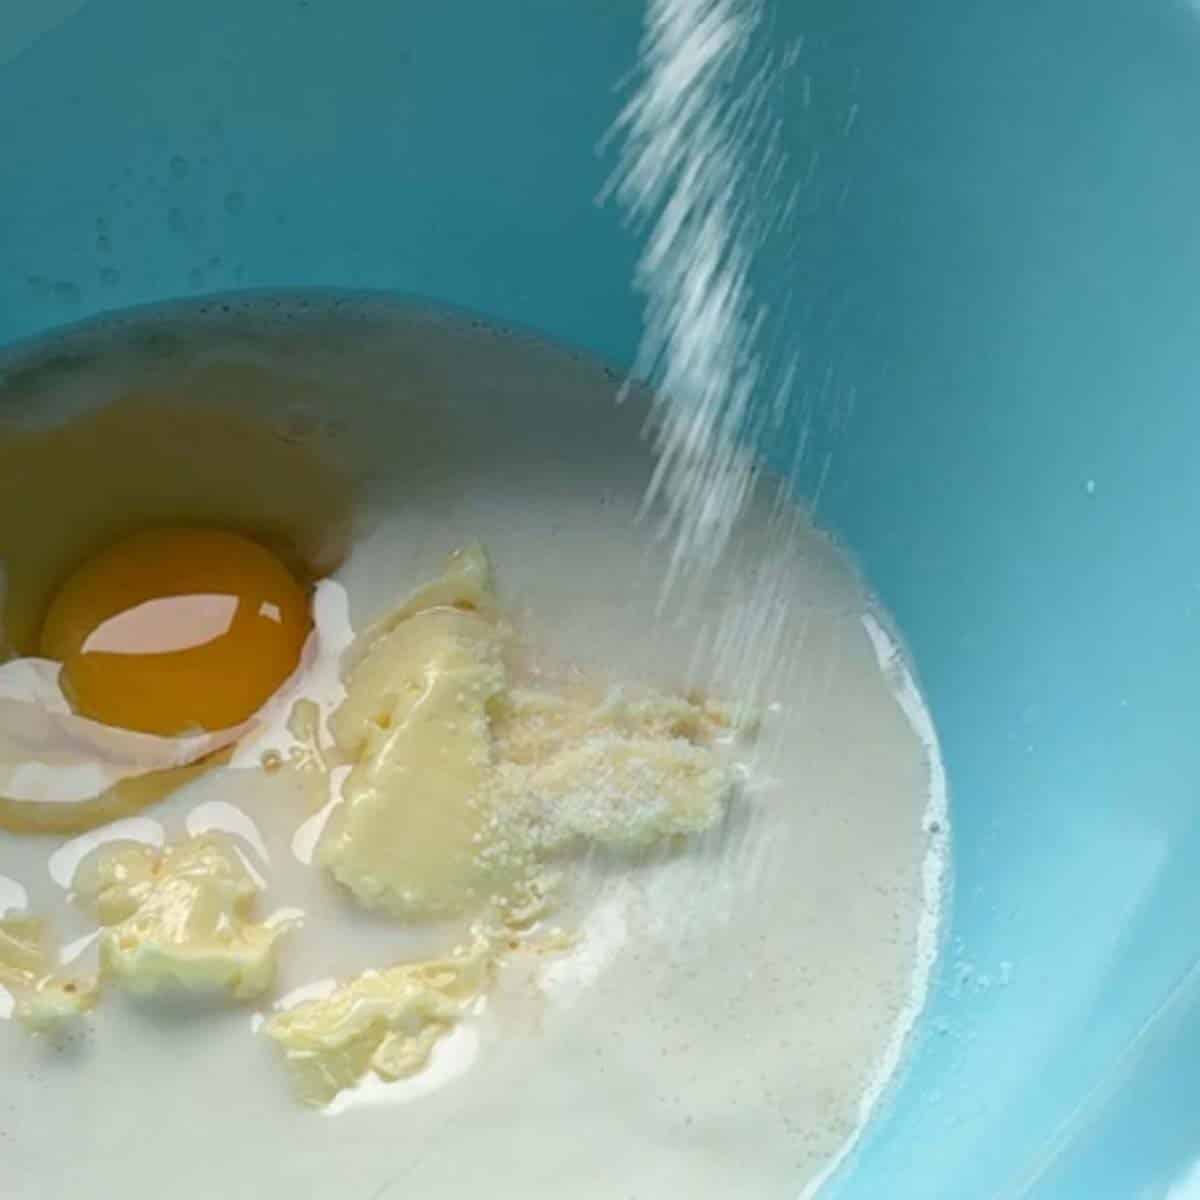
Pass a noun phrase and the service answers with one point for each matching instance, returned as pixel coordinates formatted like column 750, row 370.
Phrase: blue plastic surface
column 992, row 264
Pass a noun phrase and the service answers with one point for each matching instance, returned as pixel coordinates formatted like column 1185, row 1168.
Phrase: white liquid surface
column 730, row 1014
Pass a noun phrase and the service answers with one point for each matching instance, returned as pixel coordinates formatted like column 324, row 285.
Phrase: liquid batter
column 726, row 1012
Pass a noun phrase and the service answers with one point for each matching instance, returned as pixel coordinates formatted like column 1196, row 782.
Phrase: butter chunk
column 620, row 772
column 113, row 881
column 179, row 918
column 529, row 725
column 460, row 780
column 413, row 835
column 625, row 793
column 43, row 1000
column 386, row 1022
column 466, row 583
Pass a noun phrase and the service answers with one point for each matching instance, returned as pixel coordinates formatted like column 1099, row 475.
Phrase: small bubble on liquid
column 103, row 244
column 176, row 221
column 66, row 292
column 235, row 202
column 180, row 167
column 102, row 225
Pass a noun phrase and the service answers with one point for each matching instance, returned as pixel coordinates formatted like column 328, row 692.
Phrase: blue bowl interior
column 987, row 284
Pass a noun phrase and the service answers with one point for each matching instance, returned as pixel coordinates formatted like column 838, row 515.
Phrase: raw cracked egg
column 63, row 772
column 177, row 631
column 158, row 653
column 157, row 563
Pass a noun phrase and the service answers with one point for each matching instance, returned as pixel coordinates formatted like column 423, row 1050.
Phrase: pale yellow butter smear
column 179, row 918
column 43, row 999
column 387, row 1022
column 411, row 836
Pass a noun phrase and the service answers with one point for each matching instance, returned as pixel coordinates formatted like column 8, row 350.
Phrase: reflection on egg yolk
column 176, row 630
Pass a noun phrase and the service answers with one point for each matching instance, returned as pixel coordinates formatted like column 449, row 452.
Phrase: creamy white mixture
column 730, row 1011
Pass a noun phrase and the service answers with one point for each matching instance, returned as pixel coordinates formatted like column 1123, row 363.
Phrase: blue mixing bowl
column 984, row 282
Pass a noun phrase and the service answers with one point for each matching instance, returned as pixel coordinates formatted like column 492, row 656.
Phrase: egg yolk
column 174, row 631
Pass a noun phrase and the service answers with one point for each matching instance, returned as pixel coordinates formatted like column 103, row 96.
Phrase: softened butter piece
column 461, row 782
column 413, row 835
column 113, row 881
column 466, row 583
column 179, row 918
column 386, row 1022
column 43, row 1000
column 530, row 724
column 621, row 792
column 619, row 771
